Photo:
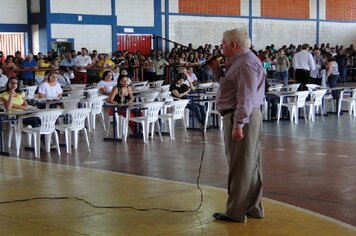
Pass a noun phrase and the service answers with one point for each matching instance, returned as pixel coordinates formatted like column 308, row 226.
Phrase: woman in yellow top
column 43, row 63
column 106, row 63
column 13, row 99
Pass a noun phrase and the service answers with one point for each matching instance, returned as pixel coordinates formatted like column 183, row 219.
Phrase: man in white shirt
column 82, row 61
column 303, row 63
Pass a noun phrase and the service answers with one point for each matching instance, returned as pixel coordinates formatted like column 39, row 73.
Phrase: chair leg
column 145, row 128
column 18, row 142
column 93, row 121
column 37, row 144
column 339, row 107
column 67, row 134
column 11, row 131
column 86, row 138
column 159, row 130
column 152, row 127
column 75, row 134
column 103, row 120
column 170, row 126
column 185, row 128
column 57, row 142
column 48, row 142
column 279, row 109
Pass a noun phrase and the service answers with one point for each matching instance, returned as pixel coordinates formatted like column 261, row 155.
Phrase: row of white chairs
column 150, row 117
column 77, row 116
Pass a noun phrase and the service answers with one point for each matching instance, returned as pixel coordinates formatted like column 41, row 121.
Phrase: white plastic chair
column 211, row 110
column 76, row 118
column 139, row 84
column 30, row 91
column 150, row 117
column 140, row 89
column 205, row 85
column 94, row 92
column 290, row 88
column 316, row 103
column 48, row 120
column 70, row 103
column 149, row 97
column 165, row 87
column 76, row 93
column 313, row 87
column 349, row 99
column 77, row 86
column 293, row 105
column 96, row 106
column 177, row 113
column 156, row 84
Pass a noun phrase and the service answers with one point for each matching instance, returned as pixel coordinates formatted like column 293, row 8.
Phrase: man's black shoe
column 223, row 217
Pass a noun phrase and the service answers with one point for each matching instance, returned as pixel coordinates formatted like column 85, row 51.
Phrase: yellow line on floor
column 21, row 179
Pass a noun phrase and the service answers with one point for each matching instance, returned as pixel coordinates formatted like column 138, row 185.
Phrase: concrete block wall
column 86, row 7
column 13, row 12
column 135, row 13
column 90, row 36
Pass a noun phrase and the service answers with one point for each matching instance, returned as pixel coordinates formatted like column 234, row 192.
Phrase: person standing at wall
column 239, row 98
column 159, row 64
column 282, row 67
column 81, row 62
column 303, row 63
column 30, row 64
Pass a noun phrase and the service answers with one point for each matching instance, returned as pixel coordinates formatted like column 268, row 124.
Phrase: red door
column 135, row 42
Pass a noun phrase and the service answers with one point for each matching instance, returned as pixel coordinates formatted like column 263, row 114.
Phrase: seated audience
column 122, row 94
column 3, row 79
column 181, row 90
column 50, row 88
column 66, row 76
column 15, row 100
column 106, row 84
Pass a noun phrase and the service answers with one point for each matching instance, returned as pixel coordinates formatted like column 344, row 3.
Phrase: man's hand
column 237, row 134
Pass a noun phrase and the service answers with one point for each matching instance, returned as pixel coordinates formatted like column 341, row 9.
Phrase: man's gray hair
column 238, row 36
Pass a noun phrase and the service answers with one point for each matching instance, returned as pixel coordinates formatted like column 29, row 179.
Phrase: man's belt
column 223, row 113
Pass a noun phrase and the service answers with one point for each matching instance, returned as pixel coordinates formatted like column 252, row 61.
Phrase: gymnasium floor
column 309, row 185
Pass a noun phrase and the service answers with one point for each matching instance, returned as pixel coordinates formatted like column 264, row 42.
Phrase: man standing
column 30, row 64
column 159, row 63
column 81, row 62
column 303, row 63
column 238, row 100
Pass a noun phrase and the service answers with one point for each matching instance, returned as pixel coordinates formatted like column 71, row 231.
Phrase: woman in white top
column 106, row 84
column 50, row 88
column 192, row 78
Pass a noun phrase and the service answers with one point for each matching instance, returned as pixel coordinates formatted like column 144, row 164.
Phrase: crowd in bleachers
column 85, row 67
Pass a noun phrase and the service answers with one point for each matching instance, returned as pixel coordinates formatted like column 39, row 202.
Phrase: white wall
column 244, row 7
column 313, row 9
column 90, row 36
column 322, row 9
column 135, row 13
column 256, row 8
column 35, row 39
column 337, row 33
column 13, row 12
column 201, row 30
column 89, row 7
column 282, row 32
column 35, row 6
column 174, row 6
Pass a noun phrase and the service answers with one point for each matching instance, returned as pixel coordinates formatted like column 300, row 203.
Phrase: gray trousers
column 245, row 168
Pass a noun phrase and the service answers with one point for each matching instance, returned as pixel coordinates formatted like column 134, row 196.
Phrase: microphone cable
column 125, row 207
